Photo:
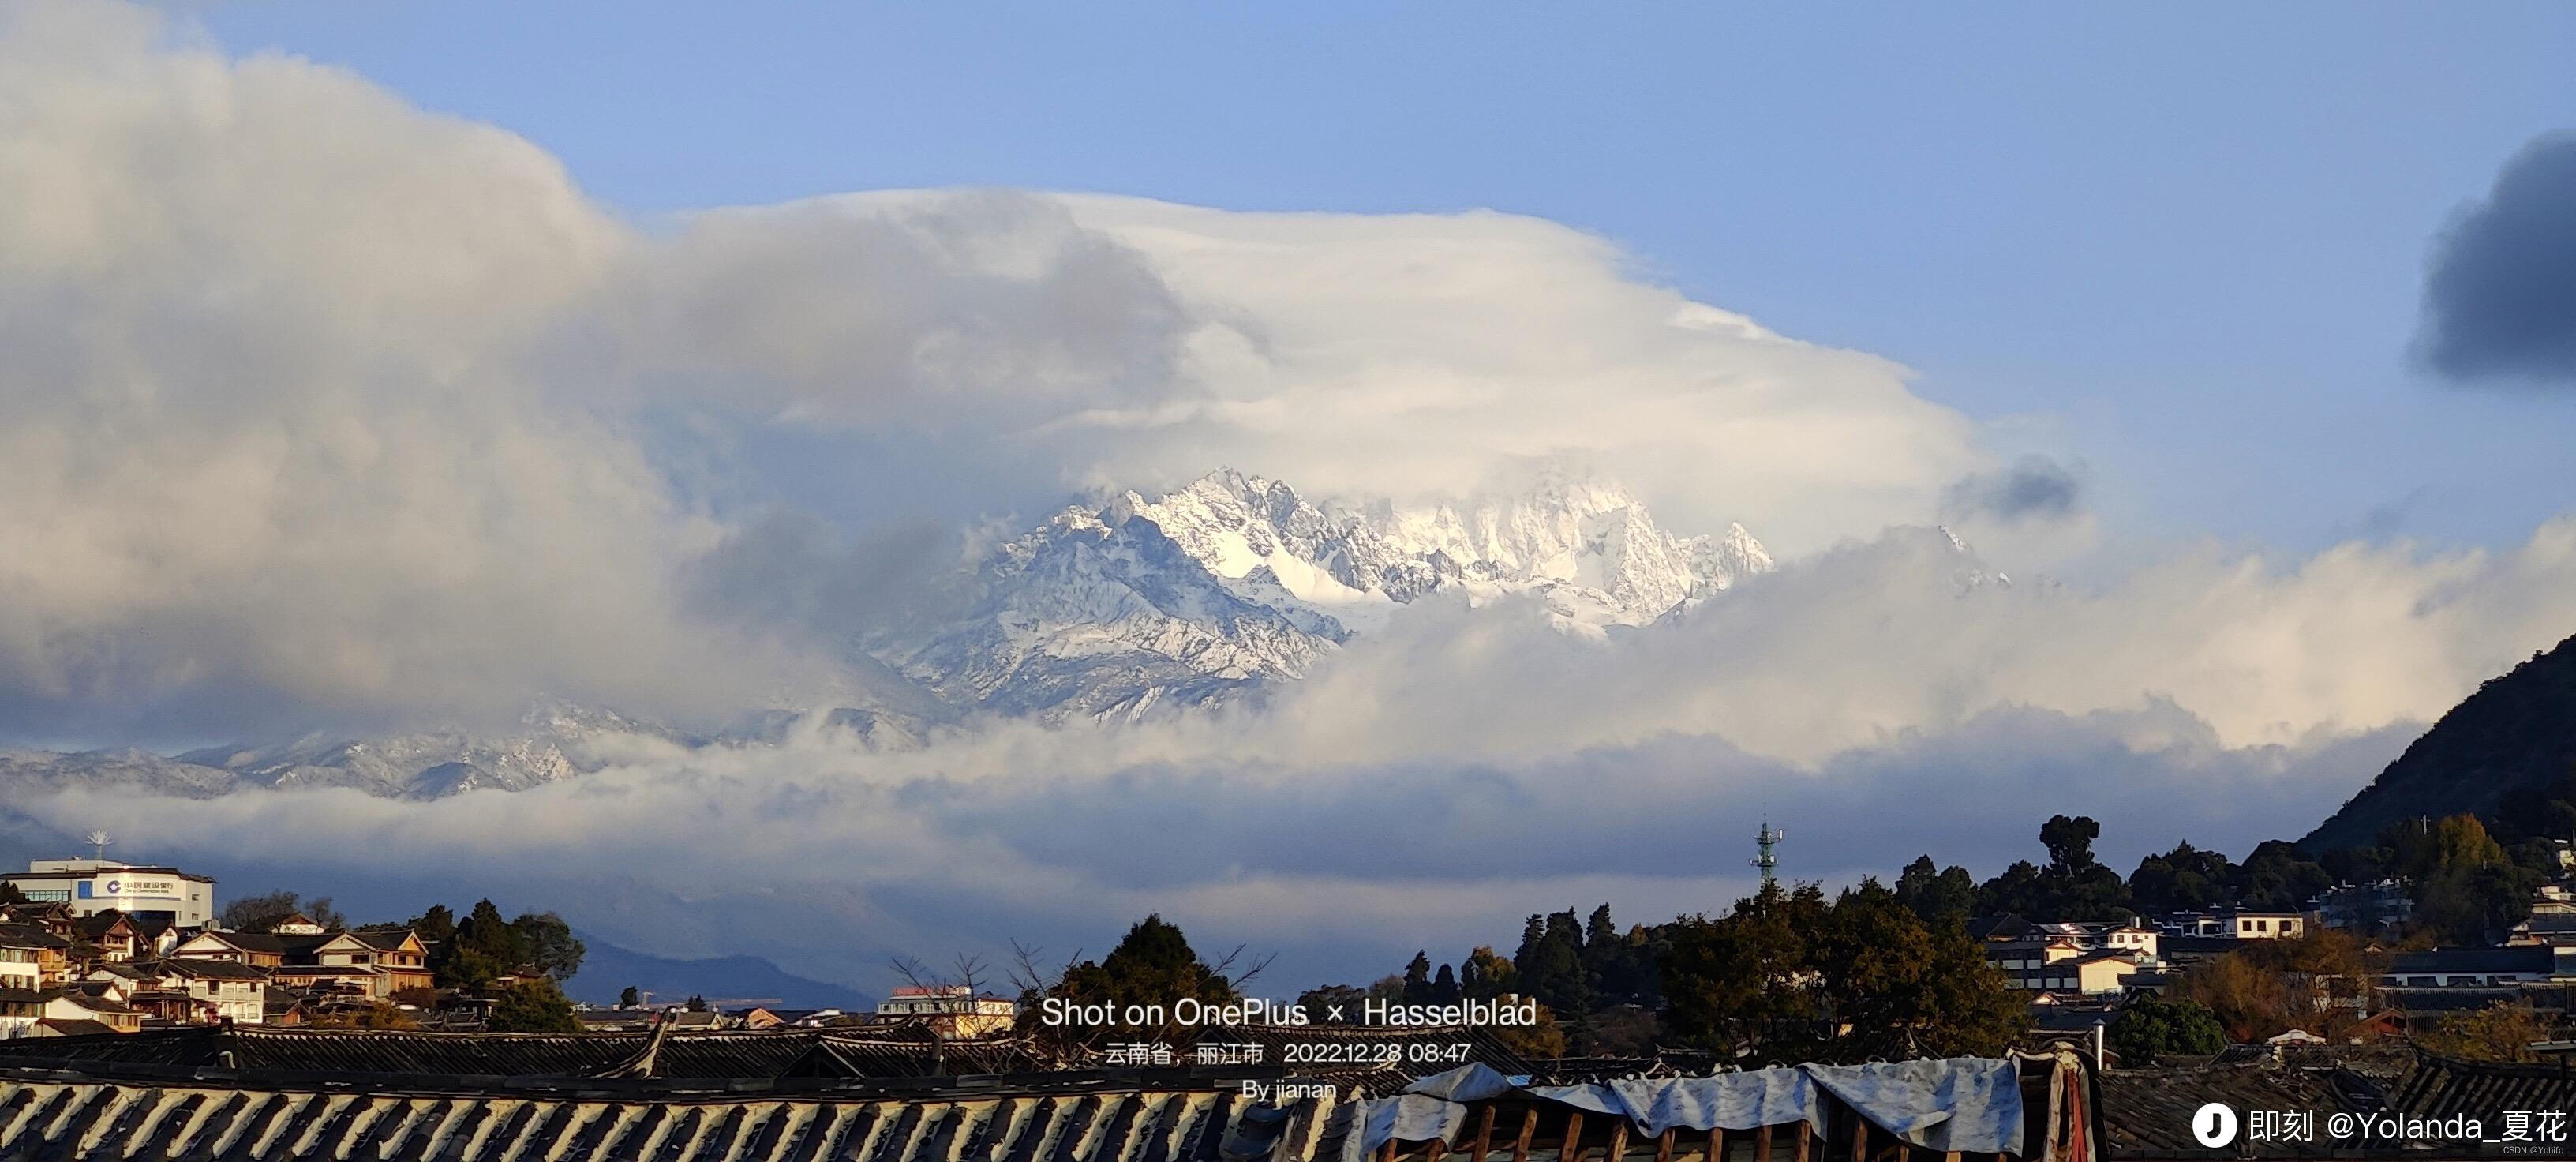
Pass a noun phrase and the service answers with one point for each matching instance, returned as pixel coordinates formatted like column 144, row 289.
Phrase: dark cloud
column 2500, row 296
column 2035, row 487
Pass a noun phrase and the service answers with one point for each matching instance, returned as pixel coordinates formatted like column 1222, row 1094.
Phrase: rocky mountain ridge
column 2516, row 732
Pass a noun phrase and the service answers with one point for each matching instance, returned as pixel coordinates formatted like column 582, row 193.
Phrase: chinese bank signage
column 131, row 887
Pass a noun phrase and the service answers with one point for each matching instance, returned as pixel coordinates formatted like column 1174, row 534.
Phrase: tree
column 1332, row 1004
column 1933, row 893
column 2075, row 885
column 1788, row 976
column 537, row 1006
column 2185, row 879
column 1444, row 987
column 435, row 926
column 379, row 1015
column 1485, row 974
column 2466, row 886
column 1534, row 1042
column 2250, row 1003
column 697, row 1004
column 2503, row 1031
column 547, row 944
column 2149, row 1030
column 1550, row 963
column 265, row 913
column 2277, row 877
column 1152, row 965
column 2318, row 981
column 1417, row 979
column 485, row 948
column 257, row 913
column 2017, row 890
column 1599, row 931
column 628, row 998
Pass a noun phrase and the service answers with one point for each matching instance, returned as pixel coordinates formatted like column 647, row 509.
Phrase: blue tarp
column 1970, row 1104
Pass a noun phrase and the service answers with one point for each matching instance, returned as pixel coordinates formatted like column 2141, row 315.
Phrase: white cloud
column 320, row 408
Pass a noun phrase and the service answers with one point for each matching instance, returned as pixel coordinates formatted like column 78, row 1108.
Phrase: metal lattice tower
column 1768, row 838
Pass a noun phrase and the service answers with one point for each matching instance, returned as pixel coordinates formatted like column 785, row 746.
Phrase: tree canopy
column 264, row 913
column 1790, row 976
column 2150, row 1029
column 537, row 1006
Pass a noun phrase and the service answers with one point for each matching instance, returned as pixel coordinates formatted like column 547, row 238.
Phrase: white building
column 91, row 886
column 238, row 992
column 951, row 1010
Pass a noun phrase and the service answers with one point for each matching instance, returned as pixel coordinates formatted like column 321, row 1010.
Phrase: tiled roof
column 380, row 940
column 2524, row 958
column 2439, row 1087
column 2147, row 1113
column 210, row 969
column 807, row 1053
column 30, row 936
column 269, row 942
column 112, row 1123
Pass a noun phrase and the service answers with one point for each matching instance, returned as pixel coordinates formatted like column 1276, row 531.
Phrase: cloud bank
column 2500, row 293
column 325, row 411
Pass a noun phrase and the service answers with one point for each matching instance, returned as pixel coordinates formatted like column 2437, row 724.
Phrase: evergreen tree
column 533, row 1007
column 1152, row 965
column 1789, row 975
column 1417, row 979
column 1320, row 1004
column 2185, row 879
column 2074, row 886
column 2150, row 1029
column 548, row 944
column 1931, row 892
column 1553, row 971
column 628, row 998
column 484, row 948
column 1599, row 932
column 1444, row 987
column 2278, row 877
column 435, row 926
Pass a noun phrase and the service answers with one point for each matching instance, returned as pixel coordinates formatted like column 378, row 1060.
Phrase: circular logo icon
column 113, row 885
column 2214, row 1125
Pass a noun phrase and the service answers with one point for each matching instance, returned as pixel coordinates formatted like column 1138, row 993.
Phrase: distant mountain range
column 607, row 970
column 2516, row 732
column 1116, row 609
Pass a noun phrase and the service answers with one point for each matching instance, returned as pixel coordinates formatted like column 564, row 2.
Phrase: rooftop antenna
column 1768, row 838
column 98, row 841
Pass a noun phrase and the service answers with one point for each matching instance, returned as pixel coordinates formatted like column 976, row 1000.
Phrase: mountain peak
column 1233, row 579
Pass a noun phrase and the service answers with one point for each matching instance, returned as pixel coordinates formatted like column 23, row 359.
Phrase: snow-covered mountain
column 1116, row 609
column 553, row 742
column 1131, row 603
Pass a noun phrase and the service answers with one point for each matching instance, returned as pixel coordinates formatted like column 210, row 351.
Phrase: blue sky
column 2186, row 244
